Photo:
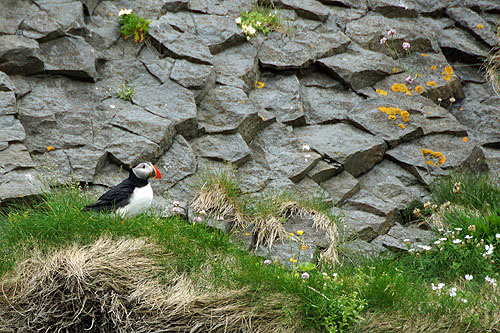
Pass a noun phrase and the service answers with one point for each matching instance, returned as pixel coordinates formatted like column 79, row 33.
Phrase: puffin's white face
column 146, row 170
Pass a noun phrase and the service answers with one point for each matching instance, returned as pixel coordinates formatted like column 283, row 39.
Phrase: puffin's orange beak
column 157, row 173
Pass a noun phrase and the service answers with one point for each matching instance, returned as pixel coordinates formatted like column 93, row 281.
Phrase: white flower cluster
column 492, row 281
column 124, row 12
column 489, row 250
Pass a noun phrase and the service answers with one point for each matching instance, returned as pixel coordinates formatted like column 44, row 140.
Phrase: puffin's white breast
column 140, row 200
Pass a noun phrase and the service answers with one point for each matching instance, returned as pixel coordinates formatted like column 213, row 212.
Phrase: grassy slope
column 208, row 257
column 396, row 291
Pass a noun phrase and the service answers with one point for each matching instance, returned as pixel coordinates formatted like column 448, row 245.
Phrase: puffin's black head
column 146, row 170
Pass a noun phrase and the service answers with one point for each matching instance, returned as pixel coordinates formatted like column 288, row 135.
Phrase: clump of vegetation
column 125, row 91
column 133, row 25
column 262, row 18
column 146, row 267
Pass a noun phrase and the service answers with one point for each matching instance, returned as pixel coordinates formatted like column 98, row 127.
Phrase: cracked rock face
column 324, row 110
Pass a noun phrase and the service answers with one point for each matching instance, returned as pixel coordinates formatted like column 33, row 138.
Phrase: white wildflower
column 124, row 12
column 464, row 300
column 468, row 277
column 453, row 292
column 457, row 241
column 306, row 147
column 237, row 20
column 497, row 236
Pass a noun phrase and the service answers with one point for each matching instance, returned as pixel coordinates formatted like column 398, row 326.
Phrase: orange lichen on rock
column 393, row 112
column 433, row 154
column 419, row 89
column 401, row 87
column 432, row 83
column 381, row 92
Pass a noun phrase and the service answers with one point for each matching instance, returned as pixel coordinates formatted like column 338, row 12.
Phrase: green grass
column 388, row 294
column 207, row 256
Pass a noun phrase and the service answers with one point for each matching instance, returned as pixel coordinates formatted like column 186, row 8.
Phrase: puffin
column 132, row 196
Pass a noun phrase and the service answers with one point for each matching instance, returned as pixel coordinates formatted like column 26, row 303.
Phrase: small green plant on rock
column 133, row 25
column 125, row 91
column 261, row 18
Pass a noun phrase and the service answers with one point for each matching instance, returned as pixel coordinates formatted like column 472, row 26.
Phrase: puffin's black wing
column 116, row 197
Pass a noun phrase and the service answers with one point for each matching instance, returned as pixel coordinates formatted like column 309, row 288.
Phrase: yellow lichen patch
column 50, row 148
column 449, row 70
column 433, row 68
column 259, row 85
column 480, row 26
column 419, row 89
column 381, row 92
column 465, row 139
column 461, row 109
column 432, row 83
column 424, row 54
column 395, row 69
column 427, row 154
column 243, row 102
column 405, row 115
column 447, row 78
column 402, row 126
column 400, row 87
column 393, row 112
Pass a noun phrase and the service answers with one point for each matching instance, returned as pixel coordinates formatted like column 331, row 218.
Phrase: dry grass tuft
column 114, row 286
column 493, row 71
column 213, row 198
column 320, row 221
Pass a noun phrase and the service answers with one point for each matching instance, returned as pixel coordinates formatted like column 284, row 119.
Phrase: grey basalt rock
column 227, row 109
column 395, row 8
column 126, row 148
column 301, row 49
column 474, row 23
column 359, row 68
column 68, row 14
column 40, row 25
column 458, row 153
column 367, row 201
column 424, row 118
column 434, row 80
column 13, row 13
column 20, row 55
column 160, row 68
column 85, row 162
column 310, row 9
column 356, row 224
column 368, row 30
column 280, row 95
column 357, row 150
column 456, row 40
column 323, row 105
column 220, row 7
column 20, row 183
column 482, row 121
column 170, row 101
column 345, row 3
column 218, row 32
column 360, row 248
column 134, row 119
column 175, row 6
column 237, row 67
column 70, row 56
column 230, row 148
column 13, row 157
column 278, row 149
column 341, row 187
column 178, row 44
column 177, row 163
column 323, row 171
column 196, row 77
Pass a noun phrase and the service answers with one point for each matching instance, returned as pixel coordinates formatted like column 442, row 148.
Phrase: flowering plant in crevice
column 133, row 25
column 390, row 43
column 261, row 19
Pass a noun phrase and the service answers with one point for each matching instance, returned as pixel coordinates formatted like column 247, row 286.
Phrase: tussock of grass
column 218, row 191
column 113, row 285
column 493, row 71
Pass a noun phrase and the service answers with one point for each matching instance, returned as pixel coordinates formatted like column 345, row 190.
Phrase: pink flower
column 383, row 40
column 176, row 203
column 176, row 209
column 267, row 262
column 391, row 32
column 198, row 219
column 406, row 46
column 305, row 275
column 409, row 79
